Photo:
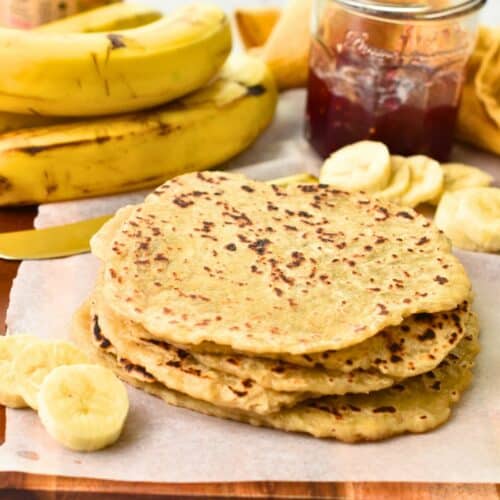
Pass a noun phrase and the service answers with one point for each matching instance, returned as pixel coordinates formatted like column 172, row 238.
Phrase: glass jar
column 390, row 71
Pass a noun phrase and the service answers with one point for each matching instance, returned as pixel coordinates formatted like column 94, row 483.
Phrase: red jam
column 333, row 121
column 355, row 93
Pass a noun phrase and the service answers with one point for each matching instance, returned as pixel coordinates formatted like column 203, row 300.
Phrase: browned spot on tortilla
column 182, row 203
column 423, row 241
column 429, row 334
column 240, row 394
column 441, row 280
column 248, row 383
column 405, row 215
column 260, row 246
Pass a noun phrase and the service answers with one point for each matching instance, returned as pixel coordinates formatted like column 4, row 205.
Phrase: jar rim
column 416, row 10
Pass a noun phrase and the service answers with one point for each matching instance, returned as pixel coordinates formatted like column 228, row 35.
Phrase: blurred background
column 490, row 14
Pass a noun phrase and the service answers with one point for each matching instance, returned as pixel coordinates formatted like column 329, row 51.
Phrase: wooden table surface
column 19, row 486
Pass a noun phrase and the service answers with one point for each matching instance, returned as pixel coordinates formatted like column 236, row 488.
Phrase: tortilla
column 179, row 371
column 281, row 376
column 265, row 269
column 416, row 405
column 416, row 346
column 132, row 341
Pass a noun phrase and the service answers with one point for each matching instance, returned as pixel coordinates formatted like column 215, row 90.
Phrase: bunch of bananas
column 122, row 98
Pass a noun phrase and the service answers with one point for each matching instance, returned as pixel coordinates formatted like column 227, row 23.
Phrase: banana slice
column 446, row 219
column 479, row 212
column 471, row 218
column 399, row 182
column 426, row 181
column 10, row 346
column 35, row 362
column 363, row 166
column 84, row 407
column 459, row 176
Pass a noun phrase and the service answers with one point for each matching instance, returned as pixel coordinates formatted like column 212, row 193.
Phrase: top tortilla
column 265, row 269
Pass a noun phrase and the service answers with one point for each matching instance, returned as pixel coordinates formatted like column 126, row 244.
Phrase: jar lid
column 414, row 9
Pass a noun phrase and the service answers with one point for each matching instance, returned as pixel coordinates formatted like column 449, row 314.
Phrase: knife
column 52, row 242
column 73, row 239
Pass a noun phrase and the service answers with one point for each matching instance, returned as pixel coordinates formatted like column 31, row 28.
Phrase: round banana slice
column 363, row 166
column 399, row 182
column 84, row 407
column 446, row 219
column 10, row 346
column 426, row 181
column 479, row 212
column 35, row 362
column 459, row 176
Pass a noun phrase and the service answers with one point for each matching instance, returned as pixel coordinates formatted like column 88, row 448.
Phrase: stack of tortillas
column 302, row 308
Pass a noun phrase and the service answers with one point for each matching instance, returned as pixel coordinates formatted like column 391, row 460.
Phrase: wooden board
column 19, row 486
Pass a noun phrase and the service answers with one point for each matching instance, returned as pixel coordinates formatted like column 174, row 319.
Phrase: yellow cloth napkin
column 479, row 114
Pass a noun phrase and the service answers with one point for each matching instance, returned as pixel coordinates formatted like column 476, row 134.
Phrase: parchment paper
column 165, row 444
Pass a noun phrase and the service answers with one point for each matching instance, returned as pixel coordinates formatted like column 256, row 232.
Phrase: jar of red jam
column 388, row 70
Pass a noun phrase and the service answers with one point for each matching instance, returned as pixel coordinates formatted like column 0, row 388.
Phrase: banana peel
column 255, row 25
column 486, row 81
column 286, row 49
column 475, row 124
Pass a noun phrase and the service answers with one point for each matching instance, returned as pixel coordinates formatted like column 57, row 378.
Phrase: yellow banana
column 143, row 149
column 117, row 16
column 108, row 18
column 15, row 121
column 92, row 74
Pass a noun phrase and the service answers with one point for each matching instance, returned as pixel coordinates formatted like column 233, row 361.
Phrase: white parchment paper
column 165, row 444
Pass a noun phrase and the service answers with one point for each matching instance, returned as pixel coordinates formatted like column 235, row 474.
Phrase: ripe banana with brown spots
column 140, row 150
column 117, row 16
column 92, row 74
